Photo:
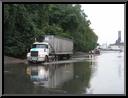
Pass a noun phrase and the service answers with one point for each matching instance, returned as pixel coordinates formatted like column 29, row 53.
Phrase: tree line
column 25, row 22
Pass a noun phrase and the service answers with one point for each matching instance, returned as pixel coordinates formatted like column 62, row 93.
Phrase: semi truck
column 50, row 47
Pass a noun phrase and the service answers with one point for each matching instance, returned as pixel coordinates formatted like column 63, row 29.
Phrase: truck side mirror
column 28, row 50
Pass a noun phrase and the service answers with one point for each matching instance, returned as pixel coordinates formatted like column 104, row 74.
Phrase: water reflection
column 70, row 78
column 81, row 79
column 103, row 74
column 38, row 74
column 16, row 81
column 109, row 75
column 50, row 76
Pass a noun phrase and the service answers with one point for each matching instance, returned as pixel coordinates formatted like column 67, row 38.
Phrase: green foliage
column 24, row 22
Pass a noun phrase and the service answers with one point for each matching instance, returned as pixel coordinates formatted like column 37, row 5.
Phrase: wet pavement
column 102, row 74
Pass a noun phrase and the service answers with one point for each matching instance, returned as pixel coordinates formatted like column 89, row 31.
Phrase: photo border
column 56, row 2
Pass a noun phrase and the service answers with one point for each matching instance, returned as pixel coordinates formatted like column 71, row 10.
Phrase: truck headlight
column 41, row 55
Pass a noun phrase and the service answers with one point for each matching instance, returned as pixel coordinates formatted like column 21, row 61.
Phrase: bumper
column 37, row 59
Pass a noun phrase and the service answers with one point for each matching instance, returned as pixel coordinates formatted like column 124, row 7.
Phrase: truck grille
column 34, row 53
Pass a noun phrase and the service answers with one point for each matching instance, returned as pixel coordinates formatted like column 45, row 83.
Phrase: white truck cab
column 38, row 52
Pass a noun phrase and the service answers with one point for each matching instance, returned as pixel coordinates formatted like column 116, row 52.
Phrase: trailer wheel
column 56, row 58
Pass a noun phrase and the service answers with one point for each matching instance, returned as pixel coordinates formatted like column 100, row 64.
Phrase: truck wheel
column 46, row 59
column 56, row 58
column 68, row 56
column 60, row 57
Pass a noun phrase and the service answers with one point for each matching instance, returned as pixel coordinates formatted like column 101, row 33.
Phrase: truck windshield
column 39, row 46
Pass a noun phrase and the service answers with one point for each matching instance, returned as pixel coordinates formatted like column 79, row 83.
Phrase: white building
column 116, row 47
column 104, row 46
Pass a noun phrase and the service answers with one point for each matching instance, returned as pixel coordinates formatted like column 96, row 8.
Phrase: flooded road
column 103, row 74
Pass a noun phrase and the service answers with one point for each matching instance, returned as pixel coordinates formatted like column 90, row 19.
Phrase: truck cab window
column 39, row 46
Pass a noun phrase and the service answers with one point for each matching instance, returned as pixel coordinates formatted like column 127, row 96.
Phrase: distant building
column 103, row 46
column 118, row 41
column 118, row 44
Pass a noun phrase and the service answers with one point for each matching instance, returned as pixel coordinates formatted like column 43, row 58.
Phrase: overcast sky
column 106, row 20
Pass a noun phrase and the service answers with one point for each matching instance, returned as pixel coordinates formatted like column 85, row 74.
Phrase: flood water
column 103, row 74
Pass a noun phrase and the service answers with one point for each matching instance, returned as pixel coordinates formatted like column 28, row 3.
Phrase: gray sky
column 106, row 20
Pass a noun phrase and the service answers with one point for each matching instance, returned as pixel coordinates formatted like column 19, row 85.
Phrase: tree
column 25, row 22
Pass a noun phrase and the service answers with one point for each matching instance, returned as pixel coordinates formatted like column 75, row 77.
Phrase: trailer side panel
column 60, row 45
